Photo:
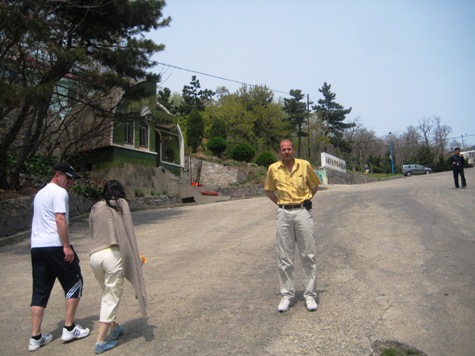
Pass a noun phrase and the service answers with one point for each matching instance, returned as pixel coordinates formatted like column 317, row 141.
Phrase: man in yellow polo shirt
column 291, row 183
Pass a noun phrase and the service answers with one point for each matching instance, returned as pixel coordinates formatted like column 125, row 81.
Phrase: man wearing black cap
column 458, row 163
column 53, row 257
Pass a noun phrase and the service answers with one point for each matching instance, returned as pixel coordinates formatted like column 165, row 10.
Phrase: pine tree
column 332, row 115
column 96, row 45
column 297, row 113
column 194, row 130
column 194, row 97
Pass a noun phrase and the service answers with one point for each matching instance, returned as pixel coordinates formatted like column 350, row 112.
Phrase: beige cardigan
column 109, row 227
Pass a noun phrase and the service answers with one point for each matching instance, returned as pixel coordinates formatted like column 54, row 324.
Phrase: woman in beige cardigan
column 114, row 255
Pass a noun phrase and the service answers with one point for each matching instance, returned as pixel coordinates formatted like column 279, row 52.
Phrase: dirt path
column 395, row 261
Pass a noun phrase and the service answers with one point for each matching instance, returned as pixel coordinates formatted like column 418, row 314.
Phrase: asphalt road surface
column 396, row 261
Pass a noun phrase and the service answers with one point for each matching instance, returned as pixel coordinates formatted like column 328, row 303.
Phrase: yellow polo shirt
column 292, row 187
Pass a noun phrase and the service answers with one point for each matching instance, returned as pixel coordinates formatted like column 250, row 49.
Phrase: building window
column 129, row 133
column 143, row 139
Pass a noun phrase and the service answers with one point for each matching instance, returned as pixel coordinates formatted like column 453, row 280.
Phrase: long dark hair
column 113, row 191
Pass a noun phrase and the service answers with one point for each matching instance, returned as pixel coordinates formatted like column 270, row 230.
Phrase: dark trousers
column 457, row 171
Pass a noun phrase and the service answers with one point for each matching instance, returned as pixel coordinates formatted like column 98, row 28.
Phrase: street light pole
column 391, row 153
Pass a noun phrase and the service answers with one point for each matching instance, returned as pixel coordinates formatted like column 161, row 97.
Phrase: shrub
column 377, row 169
column 87, row 191
column 89, row 187
column 218, row 128
column 194, row 130
column 217, row 145
column 38, row 167
column 265, row 159
column 243, row 152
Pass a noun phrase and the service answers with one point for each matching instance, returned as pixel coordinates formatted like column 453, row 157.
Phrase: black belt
column 291, row 206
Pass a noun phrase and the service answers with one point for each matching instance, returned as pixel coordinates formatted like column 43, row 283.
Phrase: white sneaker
column 77, row 333
column 36, row 344
column 310, row 303
column 285, row 304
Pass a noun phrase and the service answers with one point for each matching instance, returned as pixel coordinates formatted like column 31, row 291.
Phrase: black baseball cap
column 67, row 169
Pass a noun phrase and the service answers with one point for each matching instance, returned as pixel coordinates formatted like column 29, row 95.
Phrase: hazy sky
column 393, row 61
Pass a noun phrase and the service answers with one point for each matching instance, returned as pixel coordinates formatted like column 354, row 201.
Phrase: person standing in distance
column 458, row 163
column 52, row 256
column 291, row 183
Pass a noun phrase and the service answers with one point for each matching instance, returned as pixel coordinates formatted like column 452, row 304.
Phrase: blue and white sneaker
column 36, row 344
column 77, row 333
column 115, row 333
column 105, row 346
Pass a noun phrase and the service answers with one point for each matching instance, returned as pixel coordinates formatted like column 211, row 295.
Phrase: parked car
column 410, row 169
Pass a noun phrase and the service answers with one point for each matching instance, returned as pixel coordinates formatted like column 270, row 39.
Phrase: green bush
column 218, row 128
column 376, row 169
column 194, row 130
column 87, row 191
column 38, row 167
column 243, row 152
column 265, row 159
column 217, row 145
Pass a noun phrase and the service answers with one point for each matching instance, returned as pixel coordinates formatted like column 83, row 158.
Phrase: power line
column 253, row 85
column 217, row 77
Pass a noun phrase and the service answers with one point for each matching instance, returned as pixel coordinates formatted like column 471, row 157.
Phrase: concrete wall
column 149, row 181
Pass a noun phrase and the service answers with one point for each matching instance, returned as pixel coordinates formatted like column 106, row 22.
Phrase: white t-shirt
column 48, row 201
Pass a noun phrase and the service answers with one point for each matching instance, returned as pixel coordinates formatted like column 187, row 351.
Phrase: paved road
column 395, row 261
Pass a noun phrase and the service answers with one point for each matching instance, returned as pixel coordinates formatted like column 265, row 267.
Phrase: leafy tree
column 218, row 128
column 332, row 115
column 297, row 113
column 238, row 122
column 255, row 96
column 249, row 115
column 95, row 45
column 194, row 97
column 217, row 145
column 194, row 130
column 243, row 152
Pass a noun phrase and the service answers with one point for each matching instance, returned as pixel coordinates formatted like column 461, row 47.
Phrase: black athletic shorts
column 48, row 264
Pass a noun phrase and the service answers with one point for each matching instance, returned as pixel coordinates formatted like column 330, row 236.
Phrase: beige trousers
column 107, row 267
column 296, row 227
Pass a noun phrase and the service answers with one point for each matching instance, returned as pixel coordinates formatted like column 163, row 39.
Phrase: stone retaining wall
column 17, row 214
column 337, row 177
column 159, row 201
column 214, row 174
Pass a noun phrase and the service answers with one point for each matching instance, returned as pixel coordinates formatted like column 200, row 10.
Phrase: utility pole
column 463, row 145
column 308, row 126
column 391, row 153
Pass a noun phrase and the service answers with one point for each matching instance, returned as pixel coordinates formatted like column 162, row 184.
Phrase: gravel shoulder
column 395, row 261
